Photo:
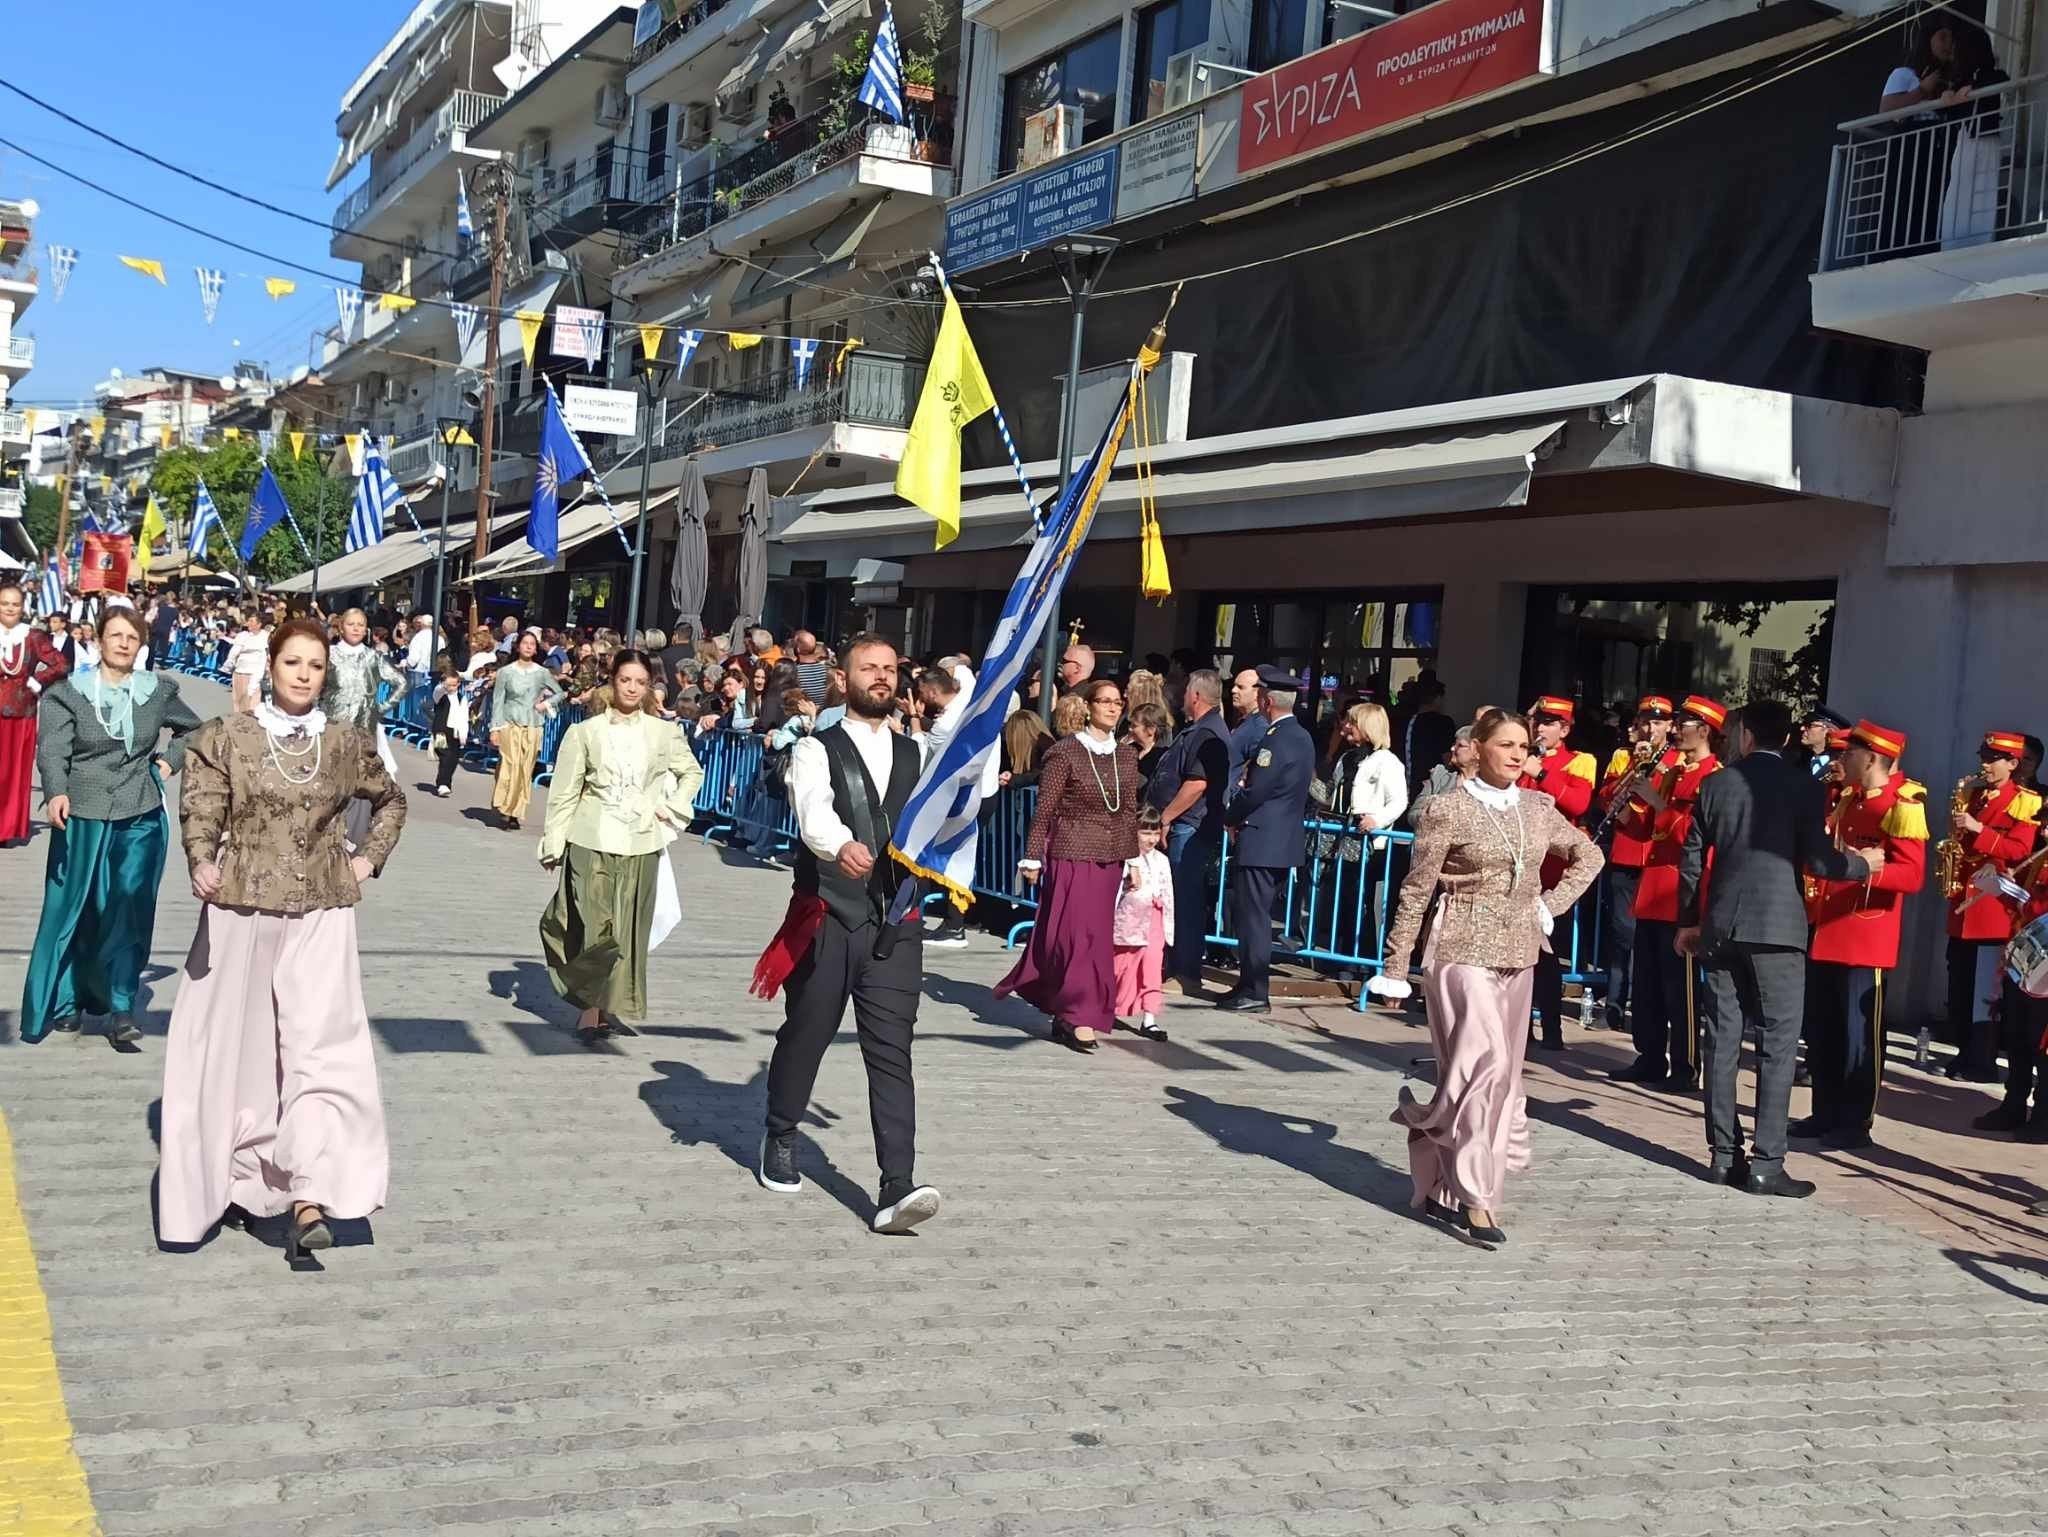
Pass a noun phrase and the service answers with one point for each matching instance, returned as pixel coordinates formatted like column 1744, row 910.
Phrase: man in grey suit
column 1764, row 820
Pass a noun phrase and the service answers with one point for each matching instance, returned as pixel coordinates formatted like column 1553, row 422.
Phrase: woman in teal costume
column 97, row 754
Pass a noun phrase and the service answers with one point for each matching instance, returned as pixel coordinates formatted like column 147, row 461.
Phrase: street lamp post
column 653, row 372
column 1081, row 261
column 451, row 428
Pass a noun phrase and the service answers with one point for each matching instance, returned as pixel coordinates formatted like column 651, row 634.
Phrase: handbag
column 1329, row 799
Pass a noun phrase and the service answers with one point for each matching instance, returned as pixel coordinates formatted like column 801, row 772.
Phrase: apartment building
column 19, row 281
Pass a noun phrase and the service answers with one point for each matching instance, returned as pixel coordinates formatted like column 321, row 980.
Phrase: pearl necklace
column 277, row 762
column 1111, row 806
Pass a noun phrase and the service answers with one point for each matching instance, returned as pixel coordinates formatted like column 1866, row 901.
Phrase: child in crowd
column 1144, row 928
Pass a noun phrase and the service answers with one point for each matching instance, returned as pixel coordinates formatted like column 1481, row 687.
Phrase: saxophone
column 1948, row 854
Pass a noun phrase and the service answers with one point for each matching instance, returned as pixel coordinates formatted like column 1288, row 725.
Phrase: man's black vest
column 854, row 797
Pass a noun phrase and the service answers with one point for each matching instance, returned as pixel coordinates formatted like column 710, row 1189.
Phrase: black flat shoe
column 1640, row 1071
column 1150, row 1032
column 1778, row 1182
column 617, row 1026
column 1728, row 1171
column 1063, row 1034
column 594, row 1035
column 305, row 1236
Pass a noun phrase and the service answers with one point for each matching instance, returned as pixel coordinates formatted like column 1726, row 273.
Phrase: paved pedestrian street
column 1174, row 1288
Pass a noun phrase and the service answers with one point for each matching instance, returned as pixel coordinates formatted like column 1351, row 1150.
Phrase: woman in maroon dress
column 1085, row 827
column 28, row 665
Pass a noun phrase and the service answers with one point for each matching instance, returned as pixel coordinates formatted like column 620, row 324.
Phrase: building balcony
column 13, row 501
column 774, row 188
column 17, row 227
column 14, row 429
column 422, row 164
column 18, row 284
column 18, row 356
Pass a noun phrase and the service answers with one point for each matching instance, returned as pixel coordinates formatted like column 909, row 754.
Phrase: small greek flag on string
column 62, row 259
column 465, row 325
column 53, row 587
column 882, row 86
column 348, row 301
column 205, row 519
column 463, row 226
column 687, row 343
column 210, row 280
column 377, row 495
column 803, row 350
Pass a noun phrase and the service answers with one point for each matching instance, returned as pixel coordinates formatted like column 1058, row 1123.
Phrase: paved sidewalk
column 1174, row 1288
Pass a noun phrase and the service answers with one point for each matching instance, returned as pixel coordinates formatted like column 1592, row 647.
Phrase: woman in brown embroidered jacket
column 1479, row 856
column 1085, row 827
column 270, row 1100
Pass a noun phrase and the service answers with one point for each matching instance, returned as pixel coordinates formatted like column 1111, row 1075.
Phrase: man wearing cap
column 1664, row 1006
column 1819, row 729
column 1649, row 752
column 1856, row 935
column 1567, row 778
column 1265, row 822
column 1996, row 829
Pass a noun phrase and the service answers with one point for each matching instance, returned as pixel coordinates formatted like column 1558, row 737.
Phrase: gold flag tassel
column 1154, row 580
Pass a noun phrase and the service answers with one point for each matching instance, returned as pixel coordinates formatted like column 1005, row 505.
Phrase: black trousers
column 1664, row 1014
column 1844, row 1026
column 1191, row 856
column 1762, row 989
column 449, row 758
column 842, row 965
column 1251, row 920
column 1546, row 997
column 1620, row 938
column 2021, row 1021
column 1976, row 1039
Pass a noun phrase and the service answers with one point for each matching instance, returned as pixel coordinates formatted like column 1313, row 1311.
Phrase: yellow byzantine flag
column 956, row 391
column 147, row 265
column 153, row 529
column 277, row 288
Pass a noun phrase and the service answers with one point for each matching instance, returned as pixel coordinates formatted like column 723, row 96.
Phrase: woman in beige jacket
column 625, row 786
column 1479, row 858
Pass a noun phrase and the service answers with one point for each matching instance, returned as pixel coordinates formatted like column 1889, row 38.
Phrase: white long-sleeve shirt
column 809, row 781
column 1379, row 789
column 933, row 742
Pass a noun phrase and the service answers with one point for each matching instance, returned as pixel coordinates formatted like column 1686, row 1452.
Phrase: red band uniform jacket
column 1657, row 893
column 2010, row 817
column 1567, row 778
column 1856, row 923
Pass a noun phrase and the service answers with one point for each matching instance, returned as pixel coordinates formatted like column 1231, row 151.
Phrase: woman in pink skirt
column 270, row 1101
column 1478, row 855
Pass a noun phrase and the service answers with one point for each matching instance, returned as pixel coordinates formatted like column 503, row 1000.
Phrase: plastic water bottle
column 1920, row 1052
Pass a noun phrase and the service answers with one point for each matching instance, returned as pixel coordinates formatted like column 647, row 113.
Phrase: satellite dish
column 228, row 382
column 113, row 373
column 30, row 207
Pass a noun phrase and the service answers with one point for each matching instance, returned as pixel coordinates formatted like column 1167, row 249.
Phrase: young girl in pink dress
column 1144, row 928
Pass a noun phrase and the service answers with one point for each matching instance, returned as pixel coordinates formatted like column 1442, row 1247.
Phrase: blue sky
column 244, row 93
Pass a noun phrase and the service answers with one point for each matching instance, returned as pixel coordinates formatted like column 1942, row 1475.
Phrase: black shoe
column 2005, row 1117
column 1848, row 1139
column 776, row 1167
column 1970, row 1072
column 1453, row 1221
column 69, row 1025
column 1642, row 1070
column 1728, row 1171
column 1237, row 1003
column 123, row 1031
column 1486, row 1235
column 946, row 939
column 1680, row 1083
column 302, row 1237
column 2039, row 1208
column 1802, row 1077
column 1549, row 1042
column 1778, row 1182
column 1807, row 1128
column 903, row 1206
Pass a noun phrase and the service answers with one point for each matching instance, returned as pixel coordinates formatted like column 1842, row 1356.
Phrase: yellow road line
column 42, row 1484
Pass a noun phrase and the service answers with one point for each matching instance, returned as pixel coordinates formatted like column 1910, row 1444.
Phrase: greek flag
column 376, row 495
column 205, row 519
column 803, row 351
column 53, row 588
column 935, row 834
column 882, row 86
column 463, row 226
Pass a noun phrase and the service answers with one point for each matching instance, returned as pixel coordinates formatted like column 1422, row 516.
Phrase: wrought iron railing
column 21, row 349
column 687, row 20
column 1938, row 178
column 596, row 186
column 462, row 111
column 13, row 424
column 11, row 502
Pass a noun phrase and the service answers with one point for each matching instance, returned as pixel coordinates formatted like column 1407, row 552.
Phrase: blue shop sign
column 1078, row 193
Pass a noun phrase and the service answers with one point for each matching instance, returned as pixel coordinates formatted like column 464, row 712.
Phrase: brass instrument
column 1949, row 853
column 1645, row 755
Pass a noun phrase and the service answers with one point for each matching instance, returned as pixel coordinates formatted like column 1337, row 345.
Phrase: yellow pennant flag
column 529, row 330
column 398, row 302
column 277, row 288
column 153, row 529
column 845, row 352
column 163, row 435
column 650, row 341
column 956, row 391
column 99, row 426
column 147, row 265
column 231, row 433
column 354, row 443
column 106, row 484
column 740, row 341
column 298, row 443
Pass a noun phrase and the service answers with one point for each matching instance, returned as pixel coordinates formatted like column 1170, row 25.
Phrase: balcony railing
column 413, row 456
column 1938, row 179
column 11, row 502
column 597, row 188
column 790, row 155
column 22, row 350
column 13, row 424
column 688, row 19
column 462, row 111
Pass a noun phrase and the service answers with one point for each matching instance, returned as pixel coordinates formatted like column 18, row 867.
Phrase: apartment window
column 1279, row 32
column 1083, row 75
column 657, row 143
column 1164, row 30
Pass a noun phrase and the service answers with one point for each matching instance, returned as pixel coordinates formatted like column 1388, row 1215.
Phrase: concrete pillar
column 1480, row 658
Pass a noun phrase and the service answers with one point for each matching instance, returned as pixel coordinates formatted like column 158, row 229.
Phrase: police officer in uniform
column 1265, row 822
column 1821, row 733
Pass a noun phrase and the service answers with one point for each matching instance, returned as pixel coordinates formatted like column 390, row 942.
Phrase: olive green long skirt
column 594, row 932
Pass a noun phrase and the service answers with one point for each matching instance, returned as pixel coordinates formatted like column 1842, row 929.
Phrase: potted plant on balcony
column 921, row 63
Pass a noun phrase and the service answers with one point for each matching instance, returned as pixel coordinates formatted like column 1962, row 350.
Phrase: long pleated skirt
column 595, row 931
column 270, row 1086
column 99, row 913
column 1464, row 1143
column 1068, row 968
column 17, row 770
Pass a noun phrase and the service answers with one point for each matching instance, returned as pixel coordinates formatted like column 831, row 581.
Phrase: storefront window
column 1164, row 30
column 1346, row 646
column 1279, row 32
column 1082, row 75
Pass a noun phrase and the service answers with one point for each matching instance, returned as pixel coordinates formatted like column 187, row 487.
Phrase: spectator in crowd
column 1151, row 728
column 1189, row 786
column 1077, row 666
column 1426, row 735
column 163, row 627
column 813, row 671
column 1249, row 725
column 1459, row 764
column 1147, row 687
column 508, row 632
column 761, row 647
column 1025, row 740
column 673, row 657
column 1068, row 716
column 1265, row 816
column 248, row 659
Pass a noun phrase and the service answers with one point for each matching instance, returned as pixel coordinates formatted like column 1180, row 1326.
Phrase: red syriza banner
column 1444, row 53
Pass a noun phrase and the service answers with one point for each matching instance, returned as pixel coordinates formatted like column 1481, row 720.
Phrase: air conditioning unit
column 1049, row 135
column 741, row 105
column 1186, row 81
column 611, row 105
column 696, row 124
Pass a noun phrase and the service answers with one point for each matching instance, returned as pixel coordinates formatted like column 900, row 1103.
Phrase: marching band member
column 1567, row 777
column 1663, row 1013
column 1993, row 823
column 1856, row 935
column 1650, row 752
column 2023, row 1027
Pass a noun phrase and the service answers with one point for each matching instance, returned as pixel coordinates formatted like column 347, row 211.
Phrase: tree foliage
column 319, row 502
column 39, row 516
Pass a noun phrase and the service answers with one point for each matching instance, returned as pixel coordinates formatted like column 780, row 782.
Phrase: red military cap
column 1657, row 705
column 1700, row 707
column 2004, row 744
column 1882, row 740
column 1552, row 704
column 1838, row 741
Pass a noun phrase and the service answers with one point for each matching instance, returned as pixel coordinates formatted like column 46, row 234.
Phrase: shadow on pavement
column 1303, row 1144
column 1986, row 1268
column 699, row 1109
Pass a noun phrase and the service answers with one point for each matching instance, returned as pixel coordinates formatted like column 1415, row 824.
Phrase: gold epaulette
column 1907, row 820
column 2026, row 806
column 1581, row 766
column 1619, row 763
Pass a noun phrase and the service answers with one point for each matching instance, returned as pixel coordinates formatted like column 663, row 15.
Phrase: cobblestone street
column 1174, row 1288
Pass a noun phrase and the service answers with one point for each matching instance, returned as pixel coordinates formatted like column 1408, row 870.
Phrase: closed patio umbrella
column 753, row 559
column 692, row 571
